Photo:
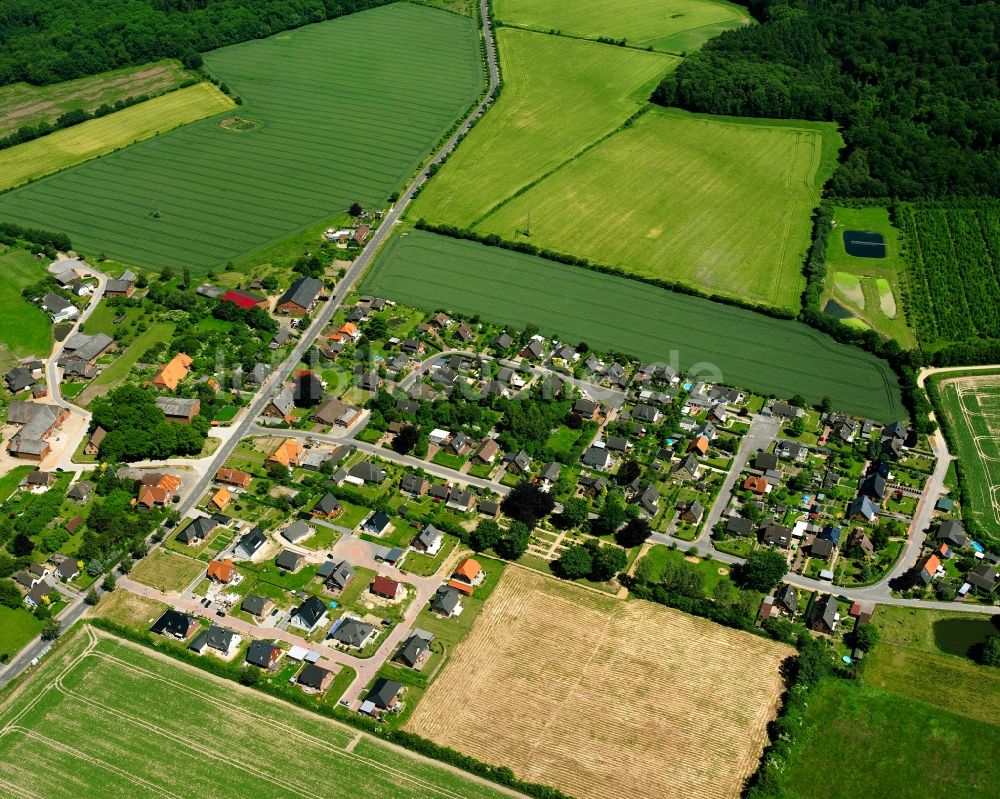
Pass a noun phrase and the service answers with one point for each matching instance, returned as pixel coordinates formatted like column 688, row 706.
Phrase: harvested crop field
column 22, row 104
column 726, row 344
column 347, row 110
column 97, row 137
column 603, row 698
column 101, row 717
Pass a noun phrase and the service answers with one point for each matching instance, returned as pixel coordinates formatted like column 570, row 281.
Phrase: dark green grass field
column 103, row 718
column 728, row 344
column 859, row 741
column 347, row 109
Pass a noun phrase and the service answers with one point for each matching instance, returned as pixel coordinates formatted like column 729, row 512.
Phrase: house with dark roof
column 951, row 532
column 367, row 472
column 686, row 469
column 327, row 507
column 289, row 561
column 263, row 654
column 737, row 525
column 873, row 486
column 215, row 637
column 18, row 379
column 502, row 342
column 174, row 624
column 335, row 413
column 595, row 457
column 250, row 544
column 281, row 406
column 692, row 512
column 862, row 507
column 309, row 615
column 257, row 605
column 447, row 602
column 821, row 548
column 297, row 531
column 384, row 696
column 314, row 679
column 649, row 499
column 774, row 535
column 178, row 410
column 983, row 577
column 307, row 389
column 823, row 616
column 415, row 650
column 300, row 297
column 429, row 540
column 790, row 450
column 376, row 524
column 197, row 531
column 414, row 484
column 858, row 540
column 354, row 633
column 786, row 600
column 340, row 576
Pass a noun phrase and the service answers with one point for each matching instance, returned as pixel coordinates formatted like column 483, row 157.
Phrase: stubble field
column 726, row 344
column 347, row 109
column 102, row 717
column 603, row 698
column 673, row 26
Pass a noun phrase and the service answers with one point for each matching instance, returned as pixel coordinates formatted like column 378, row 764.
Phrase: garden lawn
column 22, row 104
column 860, row 741
column 17, row 627
column 347, row 109
column 97, row 137
column 560, row 96
column 729, row 345
column 25, row 329
column 740, row 226
column 670, row 25
column 224, row 739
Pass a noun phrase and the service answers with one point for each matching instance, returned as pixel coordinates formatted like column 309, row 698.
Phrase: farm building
column 244, row 299
column 178, row 410
column 300, row 298
column 170, row 375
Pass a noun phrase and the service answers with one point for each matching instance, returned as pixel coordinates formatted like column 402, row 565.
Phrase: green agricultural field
column 868, row 289
column 674, row 26
column 25, row 329
column 101, row 716
column 347, row 110
column 559, row 97
column 97, row 137
column 739, row 347
column 859, row 741
column 22, row 104
column 720, row 204
column 970, row 407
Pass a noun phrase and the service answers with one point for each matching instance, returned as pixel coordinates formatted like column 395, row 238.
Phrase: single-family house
column 414, row 484
column 340, row 576
column 327, row 507
column 314, row 679
column 309, row 615
column 281, row 406
column 368, row 473
column 823, row 616
column 415, row 650
column 263, row 654
column 289, row 561
column 447, row 602
column 58, row 308
column 158, row 489
column 170, row 375
column 174, row 624
column 221, row 571
column 354, row 633
column 233, row 477
column 215, row 637
column 300, row 298
column 257, row 605
column 288, row 453
column 297, row 531
column 250, row 544
column 386, row 587
column 428, row 540
column 951, row 532
column 376, row 524
column 93, row 446
column 384, row 697
column 335, row 413
column 197, row 531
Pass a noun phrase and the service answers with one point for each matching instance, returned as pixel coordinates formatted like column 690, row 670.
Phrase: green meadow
column 730, row 344
column 25, row 329
column 345, row 111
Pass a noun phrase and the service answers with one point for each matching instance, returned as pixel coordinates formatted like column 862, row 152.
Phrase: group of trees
column 590, row 560
column 914, row 84
column 47, row 42
column 510, row 543
column 138, row 430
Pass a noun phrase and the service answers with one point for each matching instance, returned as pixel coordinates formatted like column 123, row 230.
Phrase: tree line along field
column 102, row 712
column 97, row 137
column 346, row 110
column 25, row 330
column 729, row 344
column 954, row 276
column 539, row 120
column 971, row 407
column 714, row 203
column 673, row 26
column 603, row 698
column 22, row 104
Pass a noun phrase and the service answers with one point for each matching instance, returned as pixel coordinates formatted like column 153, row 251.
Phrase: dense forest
column 46, row 41
column 914, row 84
